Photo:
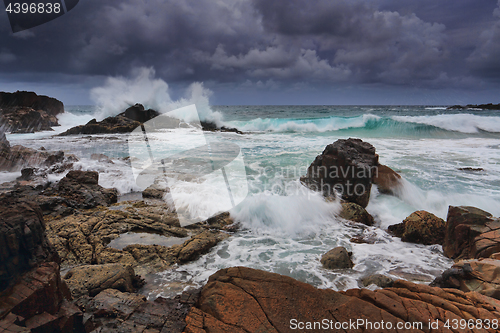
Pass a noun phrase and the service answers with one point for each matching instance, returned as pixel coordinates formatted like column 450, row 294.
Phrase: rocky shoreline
column 68, row 226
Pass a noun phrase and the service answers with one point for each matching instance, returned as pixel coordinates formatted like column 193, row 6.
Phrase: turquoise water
column 287, row 230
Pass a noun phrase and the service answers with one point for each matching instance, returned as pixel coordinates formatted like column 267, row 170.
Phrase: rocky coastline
column 59, row 274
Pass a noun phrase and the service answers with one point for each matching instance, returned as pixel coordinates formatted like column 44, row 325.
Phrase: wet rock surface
column 337, row 258
column 26, row 112
column 241, row 299
column 471, row 233
column 420, row 227
column 89, row 280
column 354, row 212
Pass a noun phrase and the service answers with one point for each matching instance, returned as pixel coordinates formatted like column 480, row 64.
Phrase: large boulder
column 420, row 227
column 23, row 243
column 354, row 212
column 471, row 233
column 241, row 299
column 337, row 258
column 24, row 111
column 345, row 166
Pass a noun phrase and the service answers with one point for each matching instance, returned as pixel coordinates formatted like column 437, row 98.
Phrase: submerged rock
column 337, row 258
column 241, row 299
column 354, row 212
column 471, row 233
column 377, row 279
column 420, row 227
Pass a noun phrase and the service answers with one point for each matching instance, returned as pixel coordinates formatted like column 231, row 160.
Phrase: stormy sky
column 267, row 51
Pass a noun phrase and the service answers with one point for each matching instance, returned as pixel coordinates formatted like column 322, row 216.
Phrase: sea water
column 286, row 229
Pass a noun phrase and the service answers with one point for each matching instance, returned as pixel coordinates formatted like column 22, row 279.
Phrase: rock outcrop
column 379, row 280
column 345, row 166
column 82, row 190
column 5, row 162
column 420, row 227
column 83, row 236
column 489, row 106
column 337, row 258
column 241, row 299
column 25, row 112
column 471, row 233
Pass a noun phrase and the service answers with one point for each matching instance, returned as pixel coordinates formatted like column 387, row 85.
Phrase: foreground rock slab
column 241, row 299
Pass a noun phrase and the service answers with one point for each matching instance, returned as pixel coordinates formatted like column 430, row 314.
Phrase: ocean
column 285, row 230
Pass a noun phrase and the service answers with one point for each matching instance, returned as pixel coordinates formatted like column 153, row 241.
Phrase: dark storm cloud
column 266, row 44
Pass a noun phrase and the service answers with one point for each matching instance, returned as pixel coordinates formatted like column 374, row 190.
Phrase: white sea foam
column 118, row 93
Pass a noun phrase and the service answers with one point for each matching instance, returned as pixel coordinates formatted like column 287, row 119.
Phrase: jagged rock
column 337, row 258
column 199, row 244
column 125, row 122
column 113, row 311
column 138, row 113
column 420, row 227
column 471, row 169
column 92, row 279
column 471, row 233
column 82, row 189
column 356, row 213
column 377, row 279
column 241, row 299
column 387, row 180
column 23, row 243
column 346, row 166
column 25, row 112
column 212, row 127
column 39, row 302
column 5, row 162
